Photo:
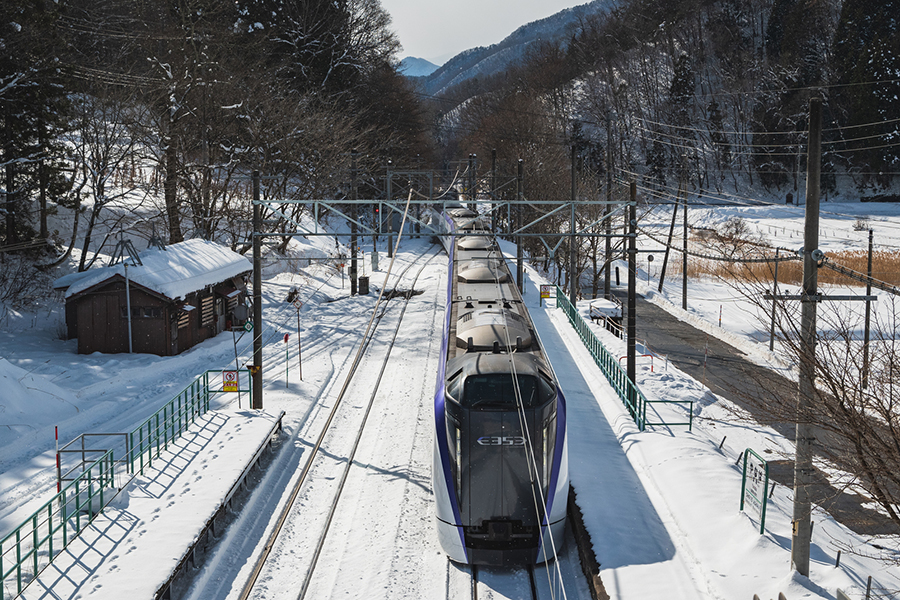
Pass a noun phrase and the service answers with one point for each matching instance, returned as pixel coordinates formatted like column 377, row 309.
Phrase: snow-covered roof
column 602, row 307
column 175, row 272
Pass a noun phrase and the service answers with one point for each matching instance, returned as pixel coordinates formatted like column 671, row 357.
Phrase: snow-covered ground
column 661, row 505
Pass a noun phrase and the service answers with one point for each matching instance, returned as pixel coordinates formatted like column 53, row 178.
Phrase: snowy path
column 632, row 528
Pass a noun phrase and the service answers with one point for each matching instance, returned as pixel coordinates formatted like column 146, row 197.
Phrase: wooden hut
column 178, row 296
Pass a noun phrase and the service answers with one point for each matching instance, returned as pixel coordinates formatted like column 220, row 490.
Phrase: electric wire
column 537, row 491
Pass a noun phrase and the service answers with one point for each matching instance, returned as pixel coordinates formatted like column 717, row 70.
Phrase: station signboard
column 755, row 486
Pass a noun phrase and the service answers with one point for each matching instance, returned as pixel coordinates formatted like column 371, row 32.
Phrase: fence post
column 34, row 541
column 50, row 536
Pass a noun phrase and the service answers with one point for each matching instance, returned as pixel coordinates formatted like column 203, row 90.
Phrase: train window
column 546, row 389
column 499, row 391
column 454, row 386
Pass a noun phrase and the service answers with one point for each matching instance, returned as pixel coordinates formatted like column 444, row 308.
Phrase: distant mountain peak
column 486, row 61
column 416, row 67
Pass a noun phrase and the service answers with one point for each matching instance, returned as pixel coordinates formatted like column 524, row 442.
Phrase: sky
column 439, row 30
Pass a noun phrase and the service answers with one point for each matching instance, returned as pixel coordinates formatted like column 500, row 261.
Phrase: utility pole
column 631, row 326
column 774, row 304
column 520, row 268
column 684, row 257
column 865, row 369
column 493, row 190
column 573, row 258
column 662, row 276
column 353, row 217
column 803, row 464
column 472, row 205
column 390, row 214
column 607, row 213
column 256, row 371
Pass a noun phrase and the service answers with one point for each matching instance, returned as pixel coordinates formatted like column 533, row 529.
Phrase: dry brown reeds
column 885, row 267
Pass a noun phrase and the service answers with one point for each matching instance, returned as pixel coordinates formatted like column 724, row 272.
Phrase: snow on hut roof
column 175, row 272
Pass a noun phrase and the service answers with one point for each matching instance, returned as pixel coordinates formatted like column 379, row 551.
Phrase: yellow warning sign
column 230, row 381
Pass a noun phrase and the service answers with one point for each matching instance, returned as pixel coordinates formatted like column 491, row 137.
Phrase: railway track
column 330, row 460
column 558, row 580
column 539, row 582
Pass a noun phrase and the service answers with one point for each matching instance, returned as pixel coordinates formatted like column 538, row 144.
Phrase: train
column 500, row 459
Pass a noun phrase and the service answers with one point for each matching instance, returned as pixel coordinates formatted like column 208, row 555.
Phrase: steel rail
column 375, row 320
column 321, row 543
column 367, row 337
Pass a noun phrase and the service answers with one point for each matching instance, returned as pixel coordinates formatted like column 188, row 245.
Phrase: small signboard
column 230, row 381
column 248, row 326
column 755, row 485
column 547, row 291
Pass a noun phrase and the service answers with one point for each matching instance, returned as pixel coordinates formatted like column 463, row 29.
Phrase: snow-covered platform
column 133, row 547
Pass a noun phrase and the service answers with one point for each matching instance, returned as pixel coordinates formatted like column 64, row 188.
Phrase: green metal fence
column 33, row 545
column 626, row 389
column 165, row 426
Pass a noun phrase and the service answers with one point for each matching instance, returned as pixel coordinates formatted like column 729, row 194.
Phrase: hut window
column 207, row 311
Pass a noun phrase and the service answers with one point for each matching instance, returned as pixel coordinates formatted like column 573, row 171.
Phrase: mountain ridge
column 483, row 61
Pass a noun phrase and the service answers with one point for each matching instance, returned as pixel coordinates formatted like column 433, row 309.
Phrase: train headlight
column 458, row 461
column 546, row 453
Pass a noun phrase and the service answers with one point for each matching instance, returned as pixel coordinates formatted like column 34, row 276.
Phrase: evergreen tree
column 32, row 112
column 867, row 70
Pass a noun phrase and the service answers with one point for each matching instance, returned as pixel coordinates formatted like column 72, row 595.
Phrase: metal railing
column 631, row 396
column 33, row 545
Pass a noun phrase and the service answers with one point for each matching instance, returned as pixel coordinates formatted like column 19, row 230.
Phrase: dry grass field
column 885, row 268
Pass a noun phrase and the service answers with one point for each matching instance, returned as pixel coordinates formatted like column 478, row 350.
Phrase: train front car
column 500, row 459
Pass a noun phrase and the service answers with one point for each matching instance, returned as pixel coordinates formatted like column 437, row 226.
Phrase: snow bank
column 28, row 399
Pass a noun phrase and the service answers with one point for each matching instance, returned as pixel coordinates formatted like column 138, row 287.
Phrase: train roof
column 482, row 271
column 475, row 242
column 477, row 363
column 480, row 328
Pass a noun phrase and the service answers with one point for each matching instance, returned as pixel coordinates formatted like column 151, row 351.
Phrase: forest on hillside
column 711, row 95
column 180, row 100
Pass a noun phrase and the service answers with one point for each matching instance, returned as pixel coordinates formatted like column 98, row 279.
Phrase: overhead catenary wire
column 540, row 502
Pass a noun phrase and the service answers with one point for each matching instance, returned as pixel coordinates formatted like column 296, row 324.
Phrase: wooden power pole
column 256, row 370
column 803, row 461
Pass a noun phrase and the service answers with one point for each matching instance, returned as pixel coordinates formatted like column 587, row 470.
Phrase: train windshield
column 499, row 391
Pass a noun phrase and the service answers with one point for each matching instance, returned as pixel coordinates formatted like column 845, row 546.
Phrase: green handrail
column 628, row 391
column 166, row 425
column 33, row 545
column 32, row 542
